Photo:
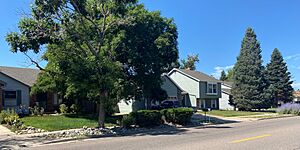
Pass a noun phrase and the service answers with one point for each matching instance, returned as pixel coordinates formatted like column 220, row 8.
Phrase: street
column 273, row 134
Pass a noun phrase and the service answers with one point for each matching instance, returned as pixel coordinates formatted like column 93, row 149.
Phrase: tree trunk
column 101, row 113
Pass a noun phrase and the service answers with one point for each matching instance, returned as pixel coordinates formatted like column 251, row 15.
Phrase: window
column 10, row 94
column 212, row 88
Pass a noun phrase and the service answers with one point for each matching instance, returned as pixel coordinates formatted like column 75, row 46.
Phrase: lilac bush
column 289, row 108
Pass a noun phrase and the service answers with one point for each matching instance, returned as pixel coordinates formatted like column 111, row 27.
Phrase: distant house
column 15, row 86
column 202, row 91
column 226, row 96
column 174, row 92
column 296, row 95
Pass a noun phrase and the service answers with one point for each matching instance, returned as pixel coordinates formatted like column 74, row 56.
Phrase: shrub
column 74, row 109
column 127, row 121
column 63, row 108
column 147, row 118
column 36, row 111
column 289, row 108
column 3, row 115
column 8, row 116
column 180, row 116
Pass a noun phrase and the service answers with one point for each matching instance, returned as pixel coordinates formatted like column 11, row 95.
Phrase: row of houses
column 191, row 88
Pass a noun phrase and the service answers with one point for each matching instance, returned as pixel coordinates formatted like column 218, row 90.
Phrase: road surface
column 274, row 134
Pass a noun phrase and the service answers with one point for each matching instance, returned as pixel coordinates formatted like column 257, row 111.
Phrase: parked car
column 169, row 104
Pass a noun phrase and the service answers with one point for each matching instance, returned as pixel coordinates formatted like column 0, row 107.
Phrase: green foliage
column 92, row 49
column 10, row 117
column 36, row 111
column 190, row 63
column 3, row 115
column 128, row 121
column 223, row 76
column 63, row 108
column 147, row 118
column 230, row 75
column 278, row 80
column 74, row 109
column 180, row 116
column 248, row 88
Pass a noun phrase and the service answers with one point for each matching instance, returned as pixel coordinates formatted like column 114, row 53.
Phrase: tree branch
column 34, row 62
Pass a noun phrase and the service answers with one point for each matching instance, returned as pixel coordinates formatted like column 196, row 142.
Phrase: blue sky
column 211, row 28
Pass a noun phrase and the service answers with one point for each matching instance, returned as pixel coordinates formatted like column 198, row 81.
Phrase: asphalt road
column 274, row 134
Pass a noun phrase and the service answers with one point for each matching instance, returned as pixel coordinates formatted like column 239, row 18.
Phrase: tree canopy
column 223, row 76
column 103, row 50
column 278, row 80
column 190, row 62
column 248, row 87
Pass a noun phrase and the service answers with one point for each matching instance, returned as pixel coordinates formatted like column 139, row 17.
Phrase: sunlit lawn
column 231, row 113
column 61, row 122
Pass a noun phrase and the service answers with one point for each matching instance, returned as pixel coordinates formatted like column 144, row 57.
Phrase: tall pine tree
column 223, row 76
column 278, row 80
column 248, row 87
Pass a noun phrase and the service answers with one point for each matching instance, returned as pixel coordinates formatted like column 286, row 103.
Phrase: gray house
column 226, row 96
column 202, row 91
column 174, row 91
column 15, row 85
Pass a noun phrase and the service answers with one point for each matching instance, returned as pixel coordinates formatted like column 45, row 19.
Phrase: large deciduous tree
column 248, row 87
column 104, row 50
column 190, row 62
column 278, row 80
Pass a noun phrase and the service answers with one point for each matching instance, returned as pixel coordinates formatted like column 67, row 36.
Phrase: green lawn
column 230, row 113
column 61, row 122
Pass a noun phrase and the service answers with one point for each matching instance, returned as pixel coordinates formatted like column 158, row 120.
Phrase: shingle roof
column 26, row 76
column 296, row 93
column 227, row 83
column 199, row 75
column 227, row 91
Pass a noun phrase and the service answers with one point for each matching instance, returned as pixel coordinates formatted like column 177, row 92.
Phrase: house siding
column 189, row 85
column 13, row 85
column 203, row 91
column 169, row 87
column 224, row 102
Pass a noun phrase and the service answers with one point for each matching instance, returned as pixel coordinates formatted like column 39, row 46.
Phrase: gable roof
column 165, row 75
column 228, row 84
column 197, row 75
column 26, row 76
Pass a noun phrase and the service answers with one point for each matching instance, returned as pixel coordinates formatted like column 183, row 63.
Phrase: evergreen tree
column 248, row 78
column 230, row 74
column 223, row 76
column 278, row 80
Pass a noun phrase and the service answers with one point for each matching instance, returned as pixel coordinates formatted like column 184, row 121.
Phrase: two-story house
column 203, row 91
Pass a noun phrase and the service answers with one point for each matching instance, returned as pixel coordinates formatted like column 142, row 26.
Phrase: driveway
column 274, row 134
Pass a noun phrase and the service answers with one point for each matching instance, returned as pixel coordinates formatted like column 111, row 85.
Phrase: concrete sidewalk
column 4, row 132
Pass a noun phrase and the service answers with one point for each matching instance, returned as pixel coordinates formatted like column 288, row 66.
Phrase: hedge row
column 152, row 118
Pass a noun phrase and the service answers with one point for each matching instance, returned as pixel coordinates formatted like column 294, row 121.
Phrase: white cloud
column 293, row 57
column 296, row 86
column 219, row 69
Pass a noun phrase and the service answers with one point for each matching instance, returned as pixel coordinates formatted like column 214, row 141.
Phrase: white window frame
column 208, row 92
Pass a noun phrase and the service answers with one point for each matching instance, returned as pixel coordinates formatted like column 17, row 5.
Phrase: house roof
column 228, row 84
column 227, row 91
column 296, row 93
column 26, row 76
column 196, row 75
